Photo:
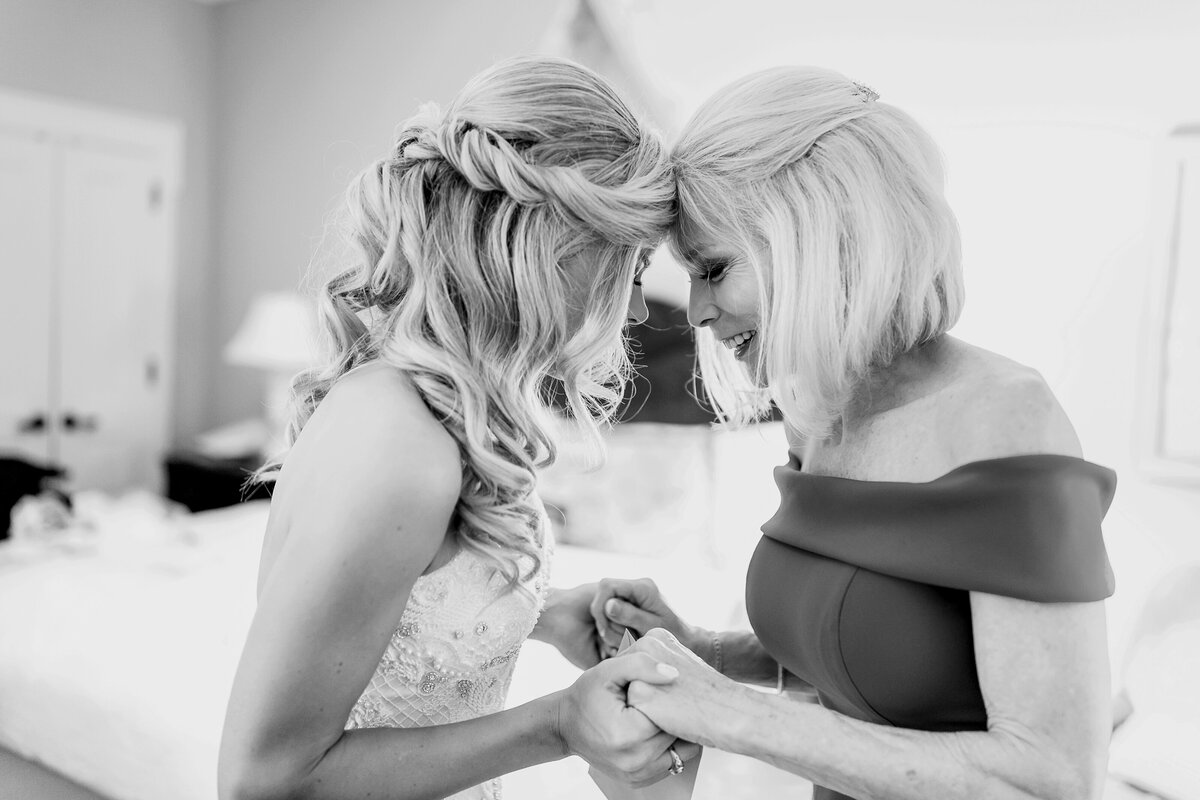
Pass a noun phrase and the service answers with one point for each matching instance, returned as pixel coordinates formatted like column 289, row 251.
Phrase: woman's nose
column 637, row 312
column 701, row 310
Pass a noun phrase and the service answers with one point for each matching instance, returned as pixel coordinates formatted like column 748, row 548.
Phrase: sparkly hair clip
column 867, row 94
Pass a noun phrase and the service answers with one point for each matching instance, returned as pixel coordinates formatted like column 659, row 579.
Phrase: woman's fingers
column 605, row 590
column 686, row 750
column 660, row 742
column 660, row 767
column 629, row 615
column 630, row 667
column 641, row 595
column 639, row 693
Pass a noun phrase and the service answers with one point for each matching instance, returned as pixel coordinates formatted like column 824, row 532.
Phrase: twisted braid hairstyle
column 496, row 247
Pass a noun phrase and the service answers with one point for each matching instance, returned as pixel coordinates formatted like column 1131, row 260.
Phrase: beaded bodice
column 452, row 656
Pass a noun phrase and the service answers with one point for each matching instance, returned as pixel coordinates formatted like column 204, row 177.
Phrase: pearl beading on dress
column 452, row 655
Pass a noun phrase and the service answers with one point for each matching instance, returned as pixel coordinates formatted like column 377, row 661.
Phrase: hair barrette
column 867, row 94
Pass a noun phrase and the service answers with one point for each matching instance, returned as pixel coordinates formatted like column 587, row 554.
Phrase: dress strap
column 1024, row 526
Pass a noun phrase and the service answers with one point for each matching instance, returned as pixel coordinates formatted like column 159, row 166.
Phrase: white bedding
column 115, row 665
column 116, row 658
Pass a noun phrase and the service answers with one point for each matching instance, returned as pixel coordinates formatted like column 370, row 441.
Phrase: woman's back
column 452, row 651
column 340, row 428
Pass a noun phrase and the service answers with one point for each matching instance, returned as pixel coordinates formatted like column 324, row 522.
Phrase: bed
column 119, row 640
column 118, row 644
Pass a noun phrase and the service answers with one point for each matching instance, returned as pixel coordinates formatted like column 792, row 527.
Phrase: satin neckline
column 1024, row 526
column 795, row 462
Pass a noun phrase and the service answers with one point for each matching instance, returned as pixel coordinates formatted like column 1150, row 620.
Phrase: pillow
column 1155, row 748
column 1156, row 753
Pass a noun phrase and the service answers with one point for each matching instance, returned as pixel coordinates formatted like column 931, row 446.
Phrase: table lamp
column 277, row 336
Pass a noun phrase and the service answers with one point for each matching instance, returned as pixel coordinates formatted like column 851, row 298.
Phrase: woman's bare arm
column 362, row 507
column 360, row 511
column 1044, row 674
column 1042, row 669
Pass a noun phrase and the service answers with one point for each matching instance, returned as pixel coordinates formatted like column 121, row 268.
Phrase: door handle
column 83, row 423
column 34, row 423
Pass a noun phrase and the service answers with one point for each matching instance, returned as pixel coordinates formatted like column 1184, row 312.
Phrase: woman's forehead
column 698, row 240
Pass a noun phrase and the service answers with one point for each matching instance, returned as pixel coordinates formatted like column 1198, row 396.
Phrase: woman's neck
column 911, row 376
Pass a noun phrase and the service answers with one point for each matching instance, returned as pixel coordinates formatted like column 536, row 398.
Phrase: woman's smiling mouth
column 739, row 343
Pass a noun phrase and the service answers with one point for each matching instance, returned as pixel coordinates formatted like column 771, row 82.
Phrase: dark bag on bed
column 18, row 478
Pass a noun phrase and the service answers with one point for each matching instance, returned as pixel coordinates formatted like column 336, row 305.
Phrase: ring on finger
column 676, row 762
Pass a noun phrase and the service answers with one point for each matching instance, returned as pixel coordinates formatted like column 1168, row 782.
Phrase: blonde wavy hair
column 843, row 197
column 470, row 239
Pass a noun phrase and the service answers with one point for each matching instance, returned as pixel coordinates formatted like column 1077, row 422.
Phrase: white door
column 27, row 187
column 114, row 319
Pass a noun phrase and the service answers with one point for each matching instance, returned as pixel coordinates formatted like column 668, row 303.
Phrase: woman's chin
column 750, row 364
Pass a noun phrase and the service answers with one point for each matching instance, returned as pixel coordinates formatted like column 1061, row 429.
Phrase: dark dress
column 861, row 588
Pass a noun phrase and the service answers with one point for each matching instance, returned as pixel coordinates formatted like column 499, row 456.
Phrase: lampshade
column 278, row 334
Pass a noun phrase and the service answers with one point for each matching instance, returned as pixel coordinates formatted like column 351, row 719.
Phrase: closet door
column 27, row 240
column 114, row 319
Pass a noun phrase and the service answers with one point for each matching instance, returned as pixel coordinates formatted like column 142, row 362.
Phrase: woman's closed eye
column 712, row 270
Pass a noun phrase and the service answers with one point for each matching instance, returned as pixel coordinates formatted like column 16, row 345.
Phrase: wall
column 308, row 93
column 143, row 56
column 283, row 102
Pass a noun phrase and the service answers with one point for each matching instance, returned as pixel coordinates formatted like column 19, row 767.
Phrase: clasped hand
column 689, row 705
column 597, row 721
column 623, row 713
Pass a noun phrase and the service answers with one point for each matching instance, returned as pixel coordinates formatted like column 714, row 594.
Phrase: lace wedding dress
column 452, row 656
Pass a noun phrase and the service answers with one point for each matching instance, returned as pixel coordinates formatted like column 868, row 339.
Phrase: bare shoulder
column 373, row 436
column 387, row 400
column 999, row 408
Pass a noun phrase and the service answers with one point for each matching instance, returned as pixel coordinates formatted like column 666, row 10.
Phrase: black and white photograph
column 599, row 400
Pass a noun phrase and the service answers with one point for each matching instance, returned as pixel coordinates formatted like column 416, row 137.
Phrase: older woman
column 935, row 570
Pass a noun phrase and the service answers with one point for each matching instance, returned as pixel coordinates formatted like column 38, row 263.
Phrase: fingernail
column 610, row 606
column 667, row 671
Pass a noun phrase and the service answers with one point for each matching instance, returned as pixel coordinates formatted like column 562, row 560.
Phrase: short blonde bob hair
column 843, row 196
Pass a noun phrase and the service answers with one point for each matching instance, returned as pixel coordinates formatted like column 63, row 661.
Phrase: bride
column 405, row 560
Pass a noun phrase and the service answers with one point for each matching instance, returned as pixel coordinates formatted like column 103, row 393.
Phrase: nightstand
column 201, row 482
